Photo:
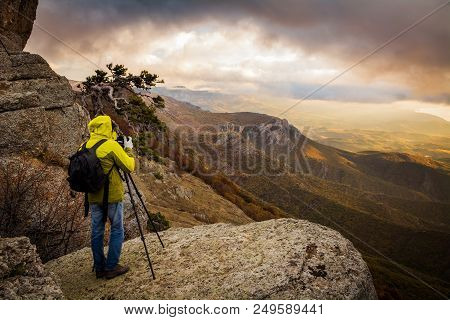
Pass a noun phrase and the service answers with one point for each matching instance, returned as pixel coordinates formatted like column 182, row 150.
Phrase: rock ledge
column 275, row 259
column 22, row 274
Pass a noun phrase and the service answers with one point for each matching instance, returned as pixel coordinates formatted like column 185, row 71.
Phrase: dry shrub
column 253, row 207
column 35, row 201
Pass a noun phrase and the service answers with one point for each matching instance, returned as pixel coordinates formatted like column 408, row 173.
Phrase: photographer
column 112, row 158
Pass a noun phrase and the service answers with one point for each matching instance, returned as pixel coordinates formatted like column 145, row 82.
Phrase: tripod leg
column 140, row 228
column 145, row 207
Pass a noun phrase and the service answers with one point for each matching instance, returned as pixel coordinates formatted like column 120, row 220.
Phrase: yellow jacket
column 109, row 153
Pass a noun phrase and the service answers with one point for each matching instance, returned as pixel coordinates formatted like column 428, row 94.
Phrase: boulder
column 43, row 132
column 275, row 259
column 27, row 81
column 38, row 111
column 22, row 274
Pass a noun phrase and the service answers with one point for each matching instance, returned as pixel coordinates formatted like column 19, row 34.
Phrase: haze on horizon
column 263, row 48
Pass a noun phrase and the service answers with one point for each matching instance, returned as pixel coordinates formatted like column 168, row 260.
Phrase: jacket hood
column 101, row 127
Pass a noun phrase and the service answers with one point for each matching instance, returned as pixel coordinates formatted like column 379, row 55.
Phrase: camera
column 121, row 140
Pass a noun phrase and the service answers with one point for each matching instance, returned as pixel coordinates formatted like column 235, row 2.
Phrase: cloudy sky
column 277, row 47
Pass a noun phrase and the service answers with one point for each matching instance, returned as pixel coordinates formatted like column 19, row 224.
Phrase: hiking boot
column 100, row 274
column 117, row 271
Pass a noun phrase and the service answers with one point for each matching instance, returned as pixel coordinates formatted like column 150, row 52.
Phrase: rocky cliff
column 16, row 23
column 39, row 118
column 38, row 113
column 22, row 274
column 275, row 259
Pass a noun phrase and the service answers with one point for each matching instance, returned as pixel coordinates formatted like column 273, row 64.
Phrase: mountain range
column 393, row 206
column 351, row 126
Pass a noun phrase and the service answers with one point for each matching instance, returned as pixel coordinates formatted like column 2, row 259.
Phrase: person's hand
column 128, row 142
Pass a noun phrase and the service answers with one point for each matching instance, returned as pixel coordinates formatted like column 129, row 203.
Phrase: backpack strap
column 105, row 203
column 98, row 144
column 95, row 146
column 86, row 205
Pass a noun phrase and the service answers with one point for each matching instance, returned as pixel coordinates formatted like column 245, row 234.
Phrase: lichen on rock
column 275, row 259
column 22, row 274
column 38, row 111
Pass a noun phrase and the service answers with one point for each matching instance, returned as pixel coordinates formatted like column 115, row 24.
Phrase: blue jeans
column 115, row 214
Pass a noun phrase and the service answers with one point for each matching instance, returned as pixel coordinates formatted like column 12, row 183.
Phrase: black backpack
column 86, row 175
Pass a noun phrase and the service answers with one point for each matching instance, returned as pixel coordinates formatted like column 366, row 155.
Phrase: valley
column 393, row 206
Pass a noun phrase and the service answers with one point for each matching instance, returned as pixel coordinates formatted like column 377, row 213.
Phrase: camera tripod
column 129, row 178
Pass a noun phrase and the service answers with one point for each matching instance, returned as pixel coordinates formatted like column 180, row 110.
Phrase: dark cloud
column 340, row 29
